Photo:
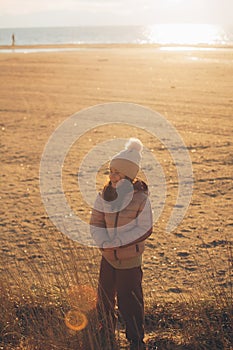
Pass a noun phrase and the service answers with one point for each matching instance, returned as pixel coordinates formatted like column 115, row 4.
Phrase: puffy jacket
column 129, row 226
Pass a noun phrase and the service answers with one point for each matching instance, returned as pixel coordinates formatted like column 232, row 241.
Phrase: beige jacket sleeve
column 97, row 223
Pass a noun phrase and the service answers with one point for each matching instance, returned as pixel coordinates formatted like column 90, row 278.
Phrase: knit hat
column 128, row 161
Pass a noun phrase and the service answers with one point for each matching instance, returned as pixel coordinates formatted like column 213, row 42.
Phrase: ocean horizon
column 161, row 34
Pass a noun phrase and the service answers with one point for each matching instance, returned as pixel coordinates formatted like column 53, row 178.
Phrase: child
column 121, row 220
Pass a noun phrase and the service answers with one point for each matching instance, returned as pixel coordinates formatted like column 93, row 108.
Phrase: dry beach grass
column 187, row 273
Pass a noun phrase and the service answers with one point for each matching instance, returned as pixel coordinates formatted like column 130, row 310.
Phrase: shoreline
column 77, row 47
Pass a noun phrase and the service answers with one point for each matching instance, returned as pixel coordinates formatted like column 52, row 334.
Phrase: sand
column 193, row 89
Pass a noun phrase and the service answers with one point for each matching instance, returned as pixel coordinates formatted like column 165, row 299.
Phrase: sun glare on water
column 183, row 34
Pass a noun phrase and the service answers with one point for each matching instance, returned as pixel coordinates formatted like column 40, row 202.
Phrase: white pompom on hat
column 128, row 161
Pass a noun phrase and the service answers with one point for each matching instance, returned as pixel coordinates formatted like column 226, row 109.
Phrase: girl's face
column 115, row 176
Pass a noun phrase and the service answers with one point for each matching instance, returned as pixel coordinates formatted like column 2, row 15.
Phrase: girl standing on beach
column 121, row 221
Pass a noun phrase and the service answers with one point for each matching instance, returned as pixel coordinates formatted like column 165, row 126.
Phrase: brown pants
column 126, row 285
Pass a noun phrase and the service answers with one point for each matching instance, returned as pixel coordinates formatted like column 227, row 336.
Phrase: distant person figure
column 13, row 40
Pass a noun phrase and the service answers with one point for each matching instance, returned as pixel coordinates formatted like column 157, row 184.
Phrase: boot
column 137, row 345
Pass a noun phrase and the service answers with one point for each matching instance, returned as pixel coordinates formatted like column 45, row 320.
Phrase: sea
column 202, row 35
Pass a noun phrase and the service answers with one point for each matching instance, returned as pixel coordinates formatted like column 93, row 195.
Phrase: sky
column 44, row 13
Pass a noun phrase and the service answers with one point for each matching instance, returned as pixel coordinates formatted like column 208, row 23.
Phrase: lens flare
column 129, row 114
column 75, row 320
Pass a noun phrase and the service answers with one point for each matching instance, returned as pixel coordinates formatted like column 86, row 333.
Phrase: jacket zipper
column 115, row 224
column 115, row 232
